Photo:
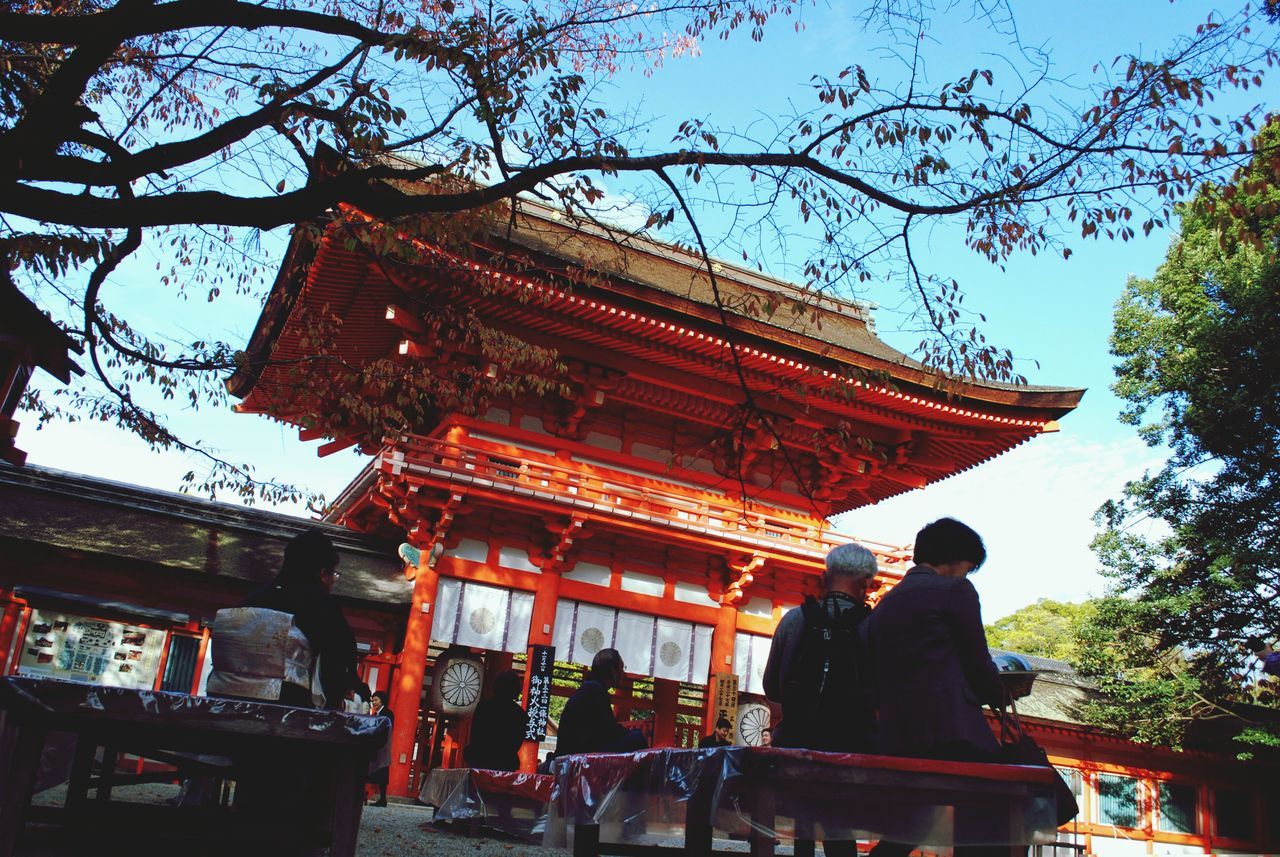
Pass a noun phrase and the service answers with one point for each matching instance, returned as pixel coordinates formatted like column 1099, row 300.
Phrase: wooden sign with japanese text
column 726, row 701
column 542, row 662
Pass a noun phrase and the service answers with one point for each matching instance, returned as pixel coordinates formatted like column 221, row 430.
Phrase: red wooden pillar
column 542, row 626
column 666, row 699
column 408, row 686
column 9, row 626
column 722, row 639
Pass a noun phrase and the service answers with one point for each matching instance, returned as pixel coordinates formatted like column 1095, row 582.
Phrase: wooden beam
column 405, row 320
column 337, row 445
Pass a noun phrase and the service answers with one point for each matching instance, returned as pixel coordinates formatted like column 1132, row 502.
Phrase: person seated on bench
column 587, row 724
column 265, row 630
column 718, row 738
column 302, row 590
column 498, row 727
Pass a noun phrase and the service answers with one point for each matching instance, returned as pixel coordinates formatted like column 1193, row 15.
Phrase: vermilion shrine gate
column 670, row 501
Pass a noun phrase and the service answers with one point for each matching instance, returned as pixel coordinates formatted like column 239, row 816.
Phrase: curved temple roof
column 648, row 312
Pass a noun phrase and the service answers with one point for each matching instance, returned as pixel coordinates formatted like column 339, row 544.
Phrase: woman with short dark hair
column 302, row 589
column 930, row 652
column 933, row 669
column 498, row 727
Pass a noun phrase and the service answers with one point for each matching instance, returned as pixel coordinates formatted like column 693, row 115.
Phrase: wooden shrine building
column 80, row 554
column 668, row 496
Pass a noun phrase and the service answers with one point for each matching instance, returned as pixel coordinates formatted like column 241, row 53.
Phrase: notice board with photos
column 97, row 651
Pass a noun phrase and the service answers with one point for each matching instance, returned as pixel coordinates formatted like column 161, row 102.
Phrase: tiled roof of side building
column 1058, row 692
column 1039, row 664
column 79, row 514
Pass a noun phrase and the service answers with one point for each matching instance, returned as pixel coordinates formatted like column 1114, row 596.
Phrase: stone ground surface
column 397, row 829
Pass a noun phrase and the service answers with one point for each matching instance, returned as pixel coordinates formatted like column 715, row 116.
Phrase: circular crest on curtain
column 592, row 640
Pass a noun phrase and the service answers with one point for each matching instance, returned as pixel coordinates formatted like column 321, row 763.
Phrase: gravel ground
column 400, row 828
column 397, row 829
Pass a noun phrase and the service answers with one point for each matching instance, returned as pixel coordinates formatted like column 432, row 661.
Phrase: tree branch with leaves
column 199, row 123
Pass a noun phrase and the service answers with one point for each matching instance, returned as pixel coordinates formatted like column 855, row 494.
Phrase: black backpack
column 827, row 702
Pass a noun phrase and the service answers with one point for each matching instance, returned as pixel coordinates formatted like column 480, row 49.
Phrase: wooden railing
column 688, row 734
column 592, row 488
column 645, row 726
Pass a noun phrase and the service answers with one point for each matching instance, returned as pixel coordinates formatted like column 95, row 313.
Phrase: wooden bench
column 663, row 800
column 510, row 802
column 330, row 751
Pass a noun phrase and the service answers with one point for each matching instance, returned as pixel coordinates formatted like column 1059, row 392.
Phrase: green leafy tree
column 1046, row 629
column 1195, row 547
column 190, row 125
column 1146, row 689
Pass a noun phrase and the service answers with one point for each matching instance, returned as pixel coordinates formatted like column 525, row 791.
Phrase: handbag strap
column 1010, row 724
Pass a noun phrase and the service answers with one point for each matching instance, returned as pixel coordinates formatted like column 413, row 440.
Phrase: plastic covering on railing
column 651, row 797
column 56, row 702
column 510, row 802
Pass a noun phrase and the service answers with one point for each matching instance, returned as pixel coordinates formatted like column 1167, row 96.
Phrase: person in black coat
column 380, row 769
column 302, row 589
column 587, row 724
column 498, row 727
column 718, row 738
column 929, row 652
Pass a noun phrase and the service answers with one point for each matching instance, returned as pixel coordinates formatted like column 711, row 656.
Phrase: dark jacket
column 380, row 767
column 318, row 616
column 932, row 666
column 587, row 724
column 497, row 731
column 711, row 741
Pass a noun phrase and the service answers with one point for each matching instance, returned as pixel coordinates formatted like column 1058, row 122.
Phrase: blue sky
column 1033, row 505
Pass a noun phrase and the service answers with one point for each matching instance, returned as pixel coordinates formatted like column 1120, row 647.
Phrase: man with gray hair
column 817, row 668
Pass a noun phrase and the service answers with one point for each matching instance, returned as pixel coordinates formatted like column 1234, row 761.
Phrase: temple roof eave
column 872, row 355
column 656, row 338
column 275, row 315
column 77, row 515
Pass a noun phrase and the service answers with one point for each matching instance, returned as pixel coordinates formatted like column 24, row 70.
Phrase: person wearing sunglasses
column 303, row 589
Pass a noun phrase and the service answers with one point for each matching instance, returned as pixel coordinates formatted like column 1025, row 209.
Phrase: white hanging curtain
column 750, row 653
column 634, row 640
column 582, row 630
column 663, row 648
column 485, row 617
column 683, row 651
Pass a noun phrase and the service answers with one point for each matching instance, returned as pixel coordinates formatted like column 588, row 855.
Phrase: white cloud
column 1034, row 508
